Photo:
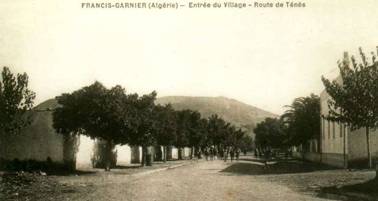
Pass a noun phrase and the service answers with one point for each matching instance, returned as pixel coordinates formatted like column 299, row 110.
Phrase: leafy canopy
column 269, row 134
column 15, row 100
column 354, row 98
column 301, row 121
column 95, row 111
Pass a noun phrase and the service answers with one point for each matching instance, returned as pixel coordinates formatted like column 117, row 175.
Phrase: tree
column 246, row 143
column 196, row 132
column 97, row 112
column 354, row 99
column 301, row 121
column 183, row 127
column 216, row 130
column 269, row 135
column 165, row 133
column 239, row 137
column 16, row 99
column 204, row 133
column 143, row 124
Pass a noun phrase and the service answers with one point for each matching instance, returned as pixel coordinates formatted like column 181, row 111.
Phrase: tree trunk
column 179, row 153
column 70, row 146
column 303, row 153
column 109, row 155
column 191, row 152
column 164, row 154
column 344, row 131
column 169, row 152
column 144, row 155
column 368, row 147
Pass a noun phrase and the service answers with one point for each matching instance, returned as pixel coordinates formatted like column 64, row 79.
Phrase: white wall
column 85, row 151
column 36, row 142
column 174, row 153
column 358, row 146
column 123, row 154
column 332, row 133
column 186, row 152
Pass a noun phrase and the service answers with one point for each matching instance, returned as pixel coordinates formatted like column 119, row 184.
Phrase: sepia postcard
column 181, row 100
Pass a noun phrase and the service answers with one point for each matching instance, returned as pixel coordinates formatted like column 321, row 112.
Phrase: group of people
column 212, row 153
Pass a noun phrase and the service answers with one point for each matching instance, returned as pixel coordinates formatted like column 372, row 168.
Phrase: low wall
column 309, row 156
column 314, row 157
column 332, row 159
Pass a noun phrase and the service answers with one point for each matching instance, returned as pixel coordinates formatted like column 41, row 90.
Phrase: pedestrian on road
column 237, row 154
column 267, row 157
column 221, row 153
column 225, row 154
column 211, row 153
column 232, row 154
column 215, row 153
column 206, row 152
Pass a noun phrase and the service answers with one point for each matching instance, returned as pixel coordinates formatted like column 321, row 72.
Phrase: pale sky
column 265, row 57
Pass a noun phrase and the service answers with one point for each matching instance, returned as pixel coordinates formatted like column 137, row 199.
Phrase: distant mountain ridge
column 238, row 113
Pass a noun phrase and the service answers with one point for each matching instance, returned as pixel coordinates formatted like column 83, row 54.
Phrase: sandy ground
column 204, row 180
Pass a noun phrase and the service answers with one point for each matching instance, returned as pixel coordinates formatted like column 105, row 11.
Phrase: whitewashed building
column 340, row 146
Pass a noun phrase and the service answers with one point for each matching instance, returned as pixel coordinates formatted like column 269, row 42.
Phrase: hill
column 231, row 110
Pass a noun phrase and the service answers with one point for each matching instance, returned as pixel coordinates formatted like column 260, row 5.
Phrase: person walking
column 211, row 153
column 232, row 154
column 215, row 153
column 237, row 154
column 206, row 152
column 225, row 154
column 267, row 157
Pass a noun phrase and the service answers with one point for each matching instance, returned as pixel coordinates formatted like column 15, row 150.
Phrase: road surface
column 206, row 180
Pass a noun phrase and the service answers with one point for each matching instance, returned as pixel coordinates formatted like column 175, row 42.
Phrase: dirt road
column 200, row 181
column 195, row 180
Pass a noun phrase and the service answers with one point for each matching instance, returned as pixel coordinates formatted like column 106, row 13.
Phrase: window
column 329, row 129
column 341, row 129
column 323, row 128
column 333, row 130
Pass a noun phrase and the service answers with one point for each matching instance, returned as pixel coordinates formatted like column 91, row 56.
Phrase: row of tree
column 299, row 124
column 116, row 117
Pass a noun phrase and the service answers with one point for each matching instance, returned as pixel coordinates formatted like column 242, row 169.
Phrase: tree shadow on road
column 262, row 160
column 127, row 166
column 365, row 191
column 277, row 167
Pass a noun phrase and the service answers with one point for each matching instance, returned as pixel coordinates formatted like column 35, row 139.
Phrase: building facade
column 341, row 146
